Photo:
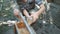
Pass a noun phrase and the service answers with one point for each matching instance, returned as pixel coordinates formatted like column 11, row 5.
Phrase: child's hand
column 35, row 17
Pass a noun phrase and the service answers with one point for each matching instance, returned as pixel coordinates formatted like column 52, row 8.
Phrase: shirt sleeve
column 38, row 2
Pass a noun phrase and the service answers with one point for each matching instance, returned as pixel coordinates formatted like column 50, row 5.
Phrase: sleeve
column 25, row 6
column 38, row 2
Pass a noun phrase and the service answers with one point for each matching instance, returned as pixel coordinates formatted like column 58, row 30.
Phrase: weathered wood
column 21, row 28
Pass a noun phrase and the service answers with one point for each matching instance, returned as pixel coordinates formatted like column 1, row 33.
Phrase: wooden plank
column 21, row 28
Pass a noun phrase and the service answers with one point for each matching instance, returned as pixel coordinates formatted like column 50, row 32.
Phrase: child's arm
column 26, row 13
